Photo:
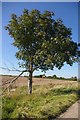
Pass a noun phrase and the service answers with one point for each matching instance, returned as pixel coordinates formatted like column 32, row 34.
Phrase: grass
column 45, row 102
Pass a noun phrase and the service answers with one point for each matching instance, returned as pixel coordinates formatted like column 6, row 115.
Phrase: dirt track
column 73, row 111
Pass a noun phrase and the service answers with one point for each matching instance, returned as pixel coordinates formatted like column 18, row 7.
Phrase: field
column 22, row 81
column 49, row 99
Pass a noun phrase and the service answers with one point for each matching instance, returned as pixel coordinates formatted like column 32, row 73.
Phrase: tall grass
column 45, row 102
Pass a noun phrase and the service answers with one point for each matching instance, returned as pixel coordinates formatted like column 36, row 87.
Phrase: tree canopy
column 42, row 41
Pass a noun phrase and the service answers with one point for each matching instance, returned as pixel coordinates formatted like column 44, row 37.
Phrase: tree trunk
column 30, row 83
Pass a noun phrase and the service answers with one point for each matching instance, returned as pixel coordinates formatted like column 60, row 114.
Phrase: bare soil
column 22, row 81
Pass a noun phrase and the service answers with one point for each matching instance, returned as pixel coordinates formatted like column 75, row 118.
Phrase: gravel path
column 73, row 111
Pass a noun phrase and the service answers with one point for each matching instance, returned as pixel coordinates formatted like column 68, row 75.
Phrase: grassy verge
column 45, row 102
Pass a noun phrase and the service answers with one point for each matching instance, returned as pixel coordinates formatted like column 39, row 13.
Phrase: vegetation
column 42, row 42
column 45, row 102
column 56, row 77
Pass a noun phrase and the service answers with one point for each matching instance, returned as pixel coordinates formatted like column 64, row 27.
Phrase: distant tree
column 61, row 78
column 40, row 76
column 54, row 76
column 42, row 42
column 49, row 77
column 73, row 78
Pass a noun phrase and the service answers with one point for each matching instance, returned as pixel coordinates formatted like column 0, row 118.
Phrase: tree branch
column 36, row 68
column 7, row 81
column 10, row 69
column 14, row 79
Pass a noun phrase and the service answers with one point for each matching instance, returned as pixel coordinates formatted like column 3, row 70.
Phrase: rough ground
column 22, row 81
column 73, row 111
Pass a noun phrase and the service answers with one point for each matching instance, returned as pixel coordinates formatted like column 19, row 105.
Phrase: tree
column 54, row 76
column 42, row 42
